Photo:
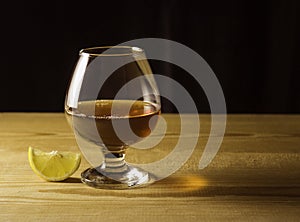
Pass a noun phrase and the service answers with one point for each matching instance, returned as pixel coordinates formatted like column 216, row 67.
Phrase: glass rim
column 99, row 51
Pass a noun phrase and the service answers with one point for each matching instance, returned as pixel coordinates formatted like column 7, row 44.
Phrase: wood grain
column 254, row 177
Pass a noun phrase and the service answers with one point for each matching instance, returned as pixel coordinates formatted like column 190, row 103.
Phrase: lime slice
column 55, row 165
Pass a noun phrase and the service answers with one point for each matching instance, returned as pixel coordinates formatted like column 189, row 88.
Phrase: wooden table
column 254, row 177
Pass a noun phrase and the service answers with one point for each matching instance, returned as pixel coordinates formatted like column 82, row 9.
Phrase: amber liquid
column 92, row 121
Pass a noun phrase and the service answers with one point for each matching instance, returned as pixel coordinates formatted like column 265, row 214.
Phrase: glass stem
column 114, row 162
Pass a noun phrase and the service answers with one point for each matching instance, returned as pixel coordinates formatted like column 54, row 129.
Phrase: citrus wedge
column 54, row 165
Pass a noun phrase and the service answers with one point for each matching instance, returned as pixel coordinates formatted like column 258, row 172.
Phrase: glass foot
column 132, row 177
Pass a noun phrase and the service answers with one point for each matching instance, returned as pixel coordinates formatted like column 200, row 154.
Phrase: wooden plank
column 255, row 175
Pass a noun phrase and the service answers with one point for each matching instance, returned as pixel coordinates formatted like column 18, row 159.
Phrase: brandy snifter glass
column 112, row 102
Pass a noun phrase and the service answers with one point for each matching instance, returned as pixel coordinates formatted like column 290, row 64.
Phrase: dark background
column 252, row 46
